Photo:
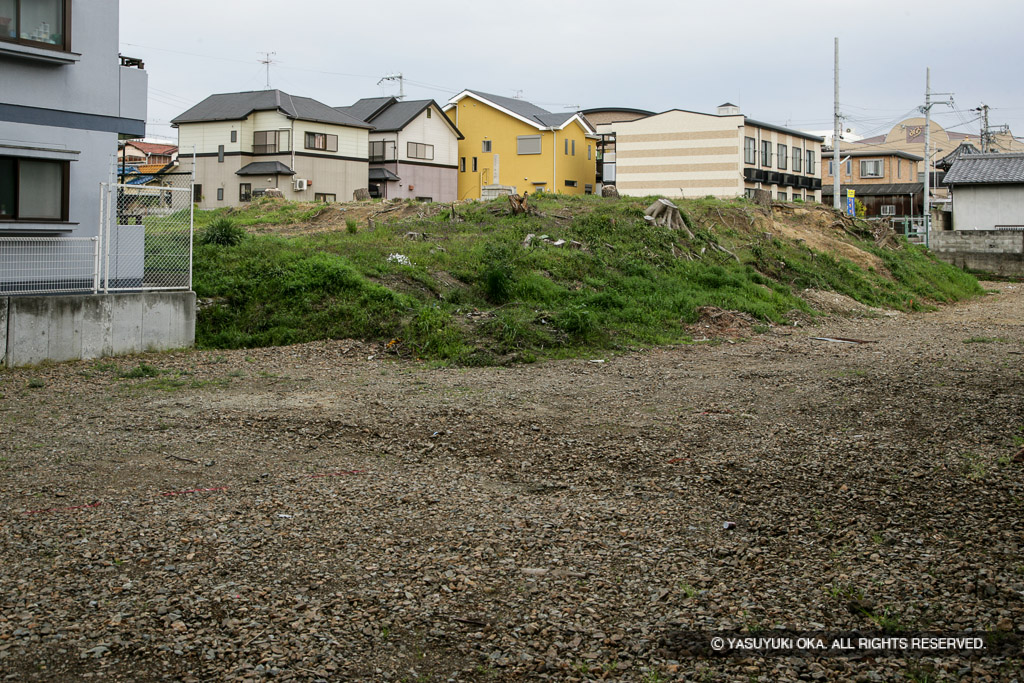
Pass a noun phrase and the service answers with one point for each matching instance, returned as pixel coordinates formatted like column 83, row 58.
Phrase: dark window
column 220, row 194
column 474, row 165
column 528, row 144
column 871, row 168
column 234, row 136
column 220, row 154
column 325, row 197
column 462, row 164
column 42, row 23
column 244, row 192
column 810, row 162
column 783, row 196
column 796, row 159
column 429, row 113
column 749, row 151
column 570, row 183
column 197, row 192
column 588, row 152
column 382, row 150
column 766, row 153
column 588, row 189
column 573, row 148
column 324, row 141
column 567, row 147
column 33, row 189
column 486, row 146
column 783, row 154
column 418, row 150
column 265, row 142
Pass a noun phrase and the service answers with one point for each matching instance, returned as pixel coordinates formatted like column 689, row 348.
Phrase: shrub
column 223, row 232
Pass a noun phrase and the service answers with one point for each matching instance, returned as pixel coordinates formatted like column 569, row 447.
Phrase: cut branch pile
column 665, row 213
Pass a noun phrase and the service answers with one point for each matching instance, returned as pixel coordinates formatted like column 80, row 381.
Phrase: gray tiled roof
column 985, row 169
column 396, row 116
column 527, row 110
column 963, row 149
column 265, row 168
column 238, row 105
column 875, row 189
column 367, row 107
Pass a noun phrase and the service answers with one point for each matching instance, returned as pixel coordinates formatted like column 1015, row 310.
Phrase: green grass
column 473, row 294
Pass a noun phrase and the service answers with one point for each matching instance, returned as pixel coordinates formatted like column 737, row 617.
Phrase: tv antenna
column 401, row 83
column 267, row 61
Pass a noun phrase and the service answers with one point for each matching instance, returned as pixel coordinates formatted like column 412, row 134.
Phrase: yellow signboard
column 849, row 193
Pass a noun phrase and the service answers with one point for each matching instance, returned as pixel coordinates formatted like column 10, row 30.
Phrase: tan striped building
column 681, row 153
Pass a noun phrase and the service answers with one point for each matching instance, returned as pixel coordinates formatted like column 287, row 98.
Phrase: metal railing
column 49, row 265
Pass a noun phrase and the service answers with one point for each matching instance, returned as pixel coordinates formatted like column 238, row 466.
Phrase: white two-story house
column 414, row 148
column 246, row 143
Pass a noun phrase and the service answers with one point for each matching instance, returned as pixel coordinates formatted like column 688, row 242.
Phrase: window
column 220, row 194
column 265, row 142
column 588, row 189
column 871, row 168
column 429, row 113
column 33, row 189
column 749, row 193
column 382, row 150
column 234, row 136
column 244, row 192
column 766, row 153
column 830, row 171
column 567, row 146
column 324, row 141
column 486, row 146
column 474, row 165
column 797, row 155
column 573, row 146
column 528, row 144
column 570, row 183
column 418, row 150
column 783, row 196
column 462, row 164
column 588, row 152
column 197, row 192
column 899, row 168
column 888, row 210
column 810, row 162
column 220, row 154
column 783, row 152
column 325, row 197
column 36, row 22
column 849, row 168
column 749, row 151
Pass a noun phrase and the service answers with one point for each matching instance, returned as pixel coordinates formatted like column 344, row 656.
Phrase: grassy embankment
column 472, row 293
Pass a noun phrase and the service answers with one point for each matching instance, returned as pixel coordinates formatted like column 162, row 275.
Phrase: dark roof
column 847, row 152
column 238, row 105
column 612, row 110
column 876, row 189
column 727, row 104
column 527, row 110
column 382, row 174
column 780, row 129
column 390, row 114
column 368, row 107
column 961, row 150
column 986, row 169
column 265, row 168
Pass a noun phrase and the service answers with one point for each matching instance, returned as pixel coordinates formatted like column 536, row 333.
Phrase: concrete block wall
column 998, row 252
column 34, row 329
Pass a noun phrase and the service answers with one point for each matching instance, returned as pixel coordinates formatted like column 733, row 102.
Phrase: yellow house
column 513, row 146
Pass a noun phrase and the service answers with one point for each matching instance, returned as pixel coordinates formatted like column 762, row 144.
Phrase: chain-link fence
column 147, row 233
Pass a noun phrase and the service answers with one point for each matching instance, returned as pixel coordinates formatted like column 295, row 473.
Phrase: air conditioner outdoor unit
column 301, row 184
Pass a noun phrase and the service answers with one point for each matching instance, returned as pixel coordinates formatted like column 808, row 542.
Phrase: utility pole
column 984, row 128
column 927, row 109
column 401, row 83
column 836, row 132
column 267, row 61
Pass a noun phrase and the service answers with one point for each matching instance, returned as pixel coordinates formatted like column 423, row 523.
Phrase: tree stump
column 362, row 194
column 665, row 213
column 610, row 191
column 518, row 203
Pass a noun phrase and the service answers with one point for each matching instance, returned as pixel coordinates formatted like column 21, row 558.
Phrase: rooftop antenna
column 518, row 95
column 267, row 61
column 401, row 83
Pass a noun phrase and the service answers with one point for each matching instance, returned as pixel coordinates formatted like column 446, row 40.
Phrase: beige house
column 249, row 142
column 681, row 153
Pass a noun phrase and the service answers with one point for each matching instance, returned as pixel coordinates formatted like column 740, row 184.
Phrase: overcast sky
column 774, row 59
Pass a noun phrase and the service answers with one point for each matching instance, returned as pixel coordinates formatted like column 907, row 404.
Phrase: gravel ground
column 340, row 514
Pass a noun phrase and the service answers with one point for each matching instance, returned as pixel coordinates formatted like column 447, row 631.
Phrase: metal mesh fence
column 49, row 265
column 147, row 242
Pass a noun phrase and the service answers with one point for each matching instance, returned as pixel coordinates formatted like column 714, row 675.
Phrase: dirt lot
column 339, row 514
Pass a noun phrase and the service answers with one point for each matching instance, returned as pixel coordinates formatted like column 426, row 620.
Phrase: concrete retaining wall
column 991, row 251
column 34, row 329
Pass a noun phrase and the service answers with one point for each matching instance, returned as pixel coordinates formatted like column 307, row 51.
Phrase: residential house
column 248, row 142
column 511, row 145
column 414, row 148
column 988, row 191
column 148, row 153
column 884, row 181
column 681, row 153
